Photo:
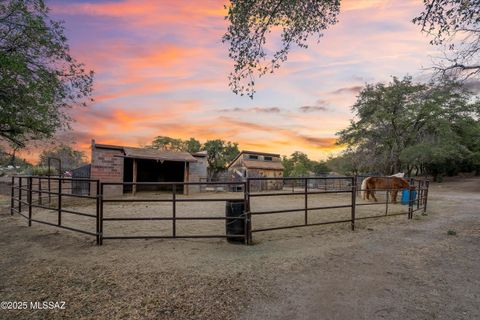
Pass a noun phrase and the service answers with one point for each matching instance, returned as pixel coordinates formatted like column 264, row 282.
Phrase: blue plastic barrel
column 406, row 196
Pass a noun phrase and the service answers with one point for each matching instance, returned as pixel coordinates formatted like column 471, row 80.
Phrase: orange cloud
column 292, row 137
column 148, row 12
column 161, row 70
column 139, row 127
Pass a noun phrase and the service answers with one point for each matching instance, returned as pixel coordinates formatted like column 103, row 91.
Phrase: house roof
column 253, row 153
column 154, row 154
column 260, row 153
column 259, row 164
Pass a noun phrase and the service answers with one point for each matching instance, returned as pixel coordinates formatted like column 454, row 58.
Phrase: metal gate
column 80, row 187
column 304, row 187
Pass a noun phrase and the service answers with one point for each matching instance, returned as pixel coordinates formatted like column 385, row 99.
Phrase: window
column 268, row 158
column 252, row 157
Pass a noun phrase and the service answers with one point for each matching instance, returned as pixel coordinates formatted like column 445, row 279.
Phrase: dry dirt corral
column 389, row 268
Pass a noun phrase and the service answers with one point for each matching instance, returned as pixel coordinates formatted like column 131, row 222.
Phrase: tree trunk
column 409, row 170
column 13, row 157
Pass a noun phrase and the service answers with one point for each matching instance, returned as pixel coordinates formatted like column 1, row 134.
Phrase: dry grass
column 392, row 267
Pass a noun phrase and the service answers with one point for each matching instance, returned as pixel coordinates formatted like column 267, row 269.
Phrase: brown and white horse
column 393, row 184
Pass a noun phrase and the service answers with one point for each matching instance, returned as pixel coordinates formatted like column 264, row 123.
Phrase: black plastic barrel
column 233, row 227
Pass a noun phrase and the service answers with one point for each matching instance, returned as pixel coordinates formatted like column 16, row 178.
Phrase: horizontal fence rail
column 173, row 218
column 308, row 189
column 49, row 193
column 54, row 194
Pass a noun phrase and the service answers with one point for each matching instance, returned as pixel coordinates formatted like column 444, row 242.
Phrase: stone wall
column 107, row 166
column 197, row 172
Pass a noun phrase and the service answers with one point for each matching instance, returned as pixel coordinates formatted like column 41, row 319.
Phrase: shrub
column 43, row 171
column 451, row 232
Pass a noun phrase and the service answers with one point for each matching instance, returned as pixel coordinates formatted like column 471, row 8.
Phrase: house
column 113, row 163
column 252, row 164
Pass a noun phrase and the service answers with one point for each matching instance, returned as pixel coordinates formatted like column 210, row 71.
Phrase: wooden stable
column 135, row 176
column 252, row 164
column 111, row 163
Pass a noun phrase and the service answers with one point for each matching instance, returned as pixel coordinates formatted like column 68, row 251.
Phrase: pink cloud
column 161, row 70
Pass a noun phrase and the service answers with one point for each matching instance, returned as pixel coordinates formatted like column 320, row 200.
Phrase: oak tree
column 403, row 125
column 455, row 25
column 69, row 157
column 251, row 23
column 39, row 79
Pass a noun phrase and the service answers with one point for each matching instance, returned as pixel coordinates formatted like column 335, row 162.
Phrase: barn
column 113, row 163
column 251, row 164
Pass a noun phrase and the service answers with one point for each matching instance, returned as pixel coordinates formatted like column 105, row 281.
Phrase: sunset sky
column 161, row 69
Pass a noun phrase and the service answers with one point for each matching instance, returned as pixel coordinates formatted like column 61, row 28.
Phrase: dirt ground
column 389, row 268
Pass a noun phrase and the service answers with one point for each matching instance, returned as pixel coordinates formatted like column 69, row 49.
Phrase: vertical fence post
column 98, row 212
column 247, row 208
column 410, row 198
column 49, row 188
column 40, row 190
column 29, row 199
column 245, row 214
column 427, row 184
column 306, row 200
column 174, row 210
column 419, row 193
column 386, row 202
column 355, row 177
column 354, row 200
column 12, row 196
column 20, row 180
column 101, row 213
column 59, row 201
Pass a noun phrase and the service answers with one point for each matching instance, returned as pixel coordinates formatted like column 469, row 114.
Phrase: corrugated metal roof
column 154, row 154
column 259, row 164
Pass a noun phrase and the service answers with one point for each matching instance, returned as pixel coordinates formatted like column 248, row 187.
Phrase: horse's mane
column 398, row 175
column 405, row 182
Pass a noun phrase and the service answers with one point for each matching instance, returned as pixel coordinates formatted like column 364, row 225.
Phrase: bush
column 43, row 171
column 451, row 232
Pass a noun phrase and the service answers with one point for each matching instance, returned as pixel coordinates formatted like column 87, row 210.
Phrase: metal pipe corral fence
column 418, row 198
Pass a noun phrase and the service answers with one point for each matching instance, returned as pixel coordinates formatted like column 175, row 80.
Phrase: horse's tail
column 364, row 187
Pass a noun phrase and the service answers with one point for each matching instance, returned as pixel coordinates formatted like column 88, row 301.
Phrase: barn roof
column 148, row 153
column 259, row 164
column 200, row 154
column 154, row 154
column 107, row 146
